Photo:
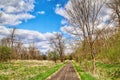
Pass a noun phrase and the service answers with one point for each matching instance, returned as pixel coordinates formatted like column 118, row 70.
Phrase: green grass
column 3, row 77
column 43, row 76
column 26, row 69
column 83, row 75
column 108, row 71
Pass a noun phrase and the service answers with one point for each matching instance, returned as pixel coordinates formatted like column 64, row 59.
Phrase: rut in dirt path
column 66, row 73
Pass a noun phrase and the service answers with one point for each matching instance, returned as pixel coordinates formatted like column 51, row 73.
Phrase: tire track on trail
column 66, row 73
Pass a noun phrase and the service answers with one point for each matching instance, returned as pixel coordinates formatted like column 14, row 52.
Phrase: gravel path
column 66, row 73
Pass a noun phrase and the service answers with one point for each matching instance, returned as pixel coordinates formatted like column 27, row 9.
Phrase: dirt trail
column 66, row 73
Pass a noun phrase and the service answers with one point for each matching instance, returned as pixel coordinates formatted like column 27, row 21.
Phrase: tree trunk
column 119, row 23
column 93, row 59
column 61, row 58
column 118, row 15
column 94, row 66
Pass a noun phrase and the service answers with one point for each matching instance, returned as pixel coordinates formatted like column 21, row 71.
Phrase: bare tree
column 33, row 52
column 12, row 42
column 57, row 43
column 18, row 49
column 115, row 6
column 85, row 17
column 12, row 36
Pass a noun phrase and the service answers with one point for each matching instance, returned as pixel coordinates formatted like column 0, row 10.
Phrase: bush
column 53, row 56
column 5, row 54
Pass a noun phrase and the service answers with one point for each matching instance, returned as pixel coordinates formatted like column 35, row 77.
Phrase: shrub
column 5, row 53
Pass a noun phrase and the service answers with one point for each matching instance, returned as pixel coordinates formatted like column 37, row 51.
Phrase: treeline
column 17, row 51
column 13, row 49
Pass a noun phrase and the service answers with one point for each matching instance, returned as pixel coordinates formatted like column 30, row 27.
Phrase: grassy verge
column 47, row 73
column 108, row 71
column 26, row 69
column 83, row 75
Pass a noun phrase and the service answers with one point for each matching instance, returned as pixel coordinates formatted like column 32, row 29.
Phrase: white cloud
column 14, row 19
column 41, row 12
column 15, row 11
column 60, row 11
column 68, row 49
column 15, row 6
column 58, row 5
column 71, row 30
column 28, row 37
column 3, row 32
column 63, row 22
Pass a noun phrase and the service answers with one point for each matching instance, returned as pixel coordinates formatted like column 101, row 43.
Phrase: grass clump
column 47, row 73
column 83, row 75
column 108, row 71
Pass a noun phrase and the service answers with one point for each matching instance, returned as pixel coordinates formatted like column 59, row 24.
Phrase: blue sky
column 35, row 20
column 46, row 20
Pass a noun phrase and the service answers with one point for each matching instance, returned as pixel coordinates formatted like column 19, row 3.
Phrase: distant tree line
column 10, row 48
column 13, row 49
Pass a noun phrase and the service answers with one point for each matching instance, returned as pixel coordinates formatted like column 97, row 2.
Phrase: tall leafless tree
column 12, row 41
column 57, row 43
column 85, row 17
column 12, row 36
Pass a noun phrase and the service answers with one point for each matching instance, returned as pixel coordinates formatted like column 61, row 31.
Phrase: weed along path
column 66, row 73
